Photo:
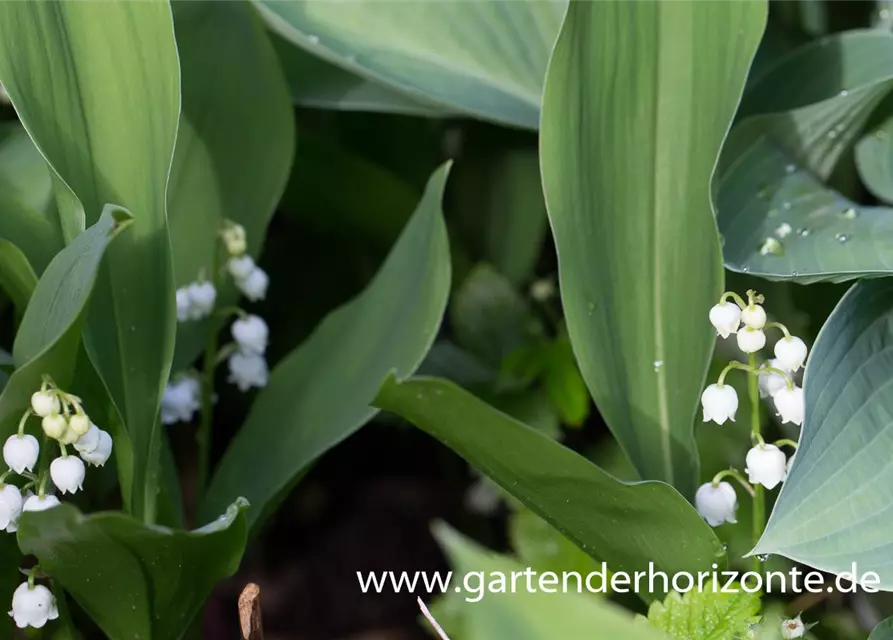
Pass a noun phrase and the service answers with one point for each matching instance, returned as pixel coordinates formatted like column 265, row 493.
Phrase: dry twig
column 249, row 613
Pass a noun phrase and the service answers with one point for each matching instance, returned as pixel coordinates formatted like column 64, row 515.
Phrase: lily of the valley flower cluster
column 766, row 463
column 64, row 421
column 246, row 362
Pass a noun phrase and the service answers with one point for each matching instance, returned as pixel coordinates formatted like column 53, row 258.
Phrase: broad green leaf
column 776, row 216
column 321, row 392
column 707, row 615
column 234, row 145
column 625, row 525
column 486, row 59
column 47, row 342
column 135, row 580
column 318, row 84
column 638, row 100
column 23, row 169
column 874, row 159
column 564, row 385
column 17, row 278
column 107, row 126
column 834, row 507
column 522, row 614
column 884, row 631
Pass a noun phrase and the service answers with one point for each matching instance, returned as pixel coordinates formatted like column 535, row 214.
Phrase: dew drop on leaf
column 658, row 364
column 313, row 39
column 850, row 214
column 791, row 168
column 842, row 238
column 803, row 232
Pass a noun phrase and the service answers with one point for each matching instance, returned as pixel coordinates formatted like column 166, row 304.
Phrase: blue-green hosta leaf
column 486, row 59
column 17, row 278
column 626, row 525
column 884, row 631
column 627, row 152
column 834, row 508
column 874, row 159
column 321, row 392
column 706, row 615
column 524, row 615
column 774, row 165
column 107, row 126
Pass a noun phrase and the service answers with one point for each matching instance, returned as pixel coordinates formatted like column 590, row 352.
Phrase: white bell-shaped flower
column 725, row 317
column 54, row 425
column 793, row 628
column 33, row 606
column 79, row 424
column 719, row 403
column 241, row 267
column 36, row 503
column 44, row 403
column 68, row 473
column 89, row 441
column 751, row 340
column 254, row 285
column 181, row 399
column 251, row 334
column 771, row 383
column 754, row 316
column 20, row 452
column 766, row 465
column 790, row 405
column 202, row 296
column 248, row 370
column 716, row 504
column 184, row 304
column 11, row 502
column 235, row 240
column 100, row 455
column 791, row 353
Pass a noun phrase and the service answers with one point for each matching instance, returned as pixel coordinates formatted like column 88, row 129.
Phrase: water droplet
column 880, row 134
column 783, row 230
column 850, row 214
column 803, row 232
column 745, row 269
column 725, row 547
column 844, row 93
column 841, row 237
column 787, row 206
column 794, row 274
column 791, row 168
column 832, row 134
column 764, row 557
column 313, row 39
column 658, row 364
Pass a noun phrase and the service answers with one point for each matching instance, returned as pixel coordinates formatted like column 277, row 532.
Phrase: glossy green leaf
column 234, row 146
column 626, row 525
column 834, row 507
column 884, row 631
column 321, row 392
column 776, row 216
column 107, row 127
column 874, row 159
column 523, row 614
column 135, row 580
column 706, row 615
column 47, row 342
column 17, row 278
column 486, row 59
column 638, row 100
column 318, row 84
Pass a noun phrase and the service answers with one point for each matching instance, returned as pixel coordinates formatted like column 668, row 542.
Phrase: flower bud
column 719, row 403
column 251, row 334
column 754, row 316
column 254, row 285
column 725, row 317
column 716, row 504
column 20, row 452
column 790, row 405
column 100, row 455
column 54, row 425
column 771, row 383
column 36, row 503
column 793, row 629
column 234, row 239
column 791, row 353
column 44, row 403
column 11, row 502
column 248, row 370
column 241, row 267
column 202, row 296
column 79, row 423
column 33, row 606
column 751, row 340
column 766, row 465
column 68, row 473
